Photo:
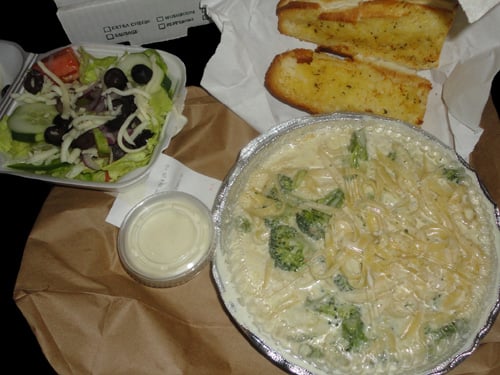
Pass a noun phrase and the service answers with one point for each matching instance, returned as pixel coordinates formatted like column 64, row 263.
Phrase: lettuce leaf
column 92, row 67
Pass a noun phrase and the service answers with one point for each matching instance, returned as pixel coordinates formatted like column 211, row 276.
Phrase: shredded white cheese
column 88, row 122
column 65, row 101
column 46, row 156
column 123, row 135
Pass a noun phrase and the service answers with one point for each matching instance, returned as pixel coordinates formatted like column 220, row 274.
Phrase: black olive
column 117, row 152
column 62, row 122
column 114, row 77
column 59, row 105
column 127, row 104
column 135, row 121
column 115, row 124
column 53, row 135
column 141, row 74
column 33, row 82
column 142, row 138
column 84, row 141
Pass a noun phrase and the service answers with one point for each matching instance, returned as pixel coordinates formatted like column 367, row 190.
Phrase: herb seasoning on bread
column 368, row 55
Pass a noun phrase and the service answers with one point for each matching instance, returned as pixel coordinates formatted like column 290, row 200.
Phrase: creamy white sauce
column 418, row 250
column 168, row 238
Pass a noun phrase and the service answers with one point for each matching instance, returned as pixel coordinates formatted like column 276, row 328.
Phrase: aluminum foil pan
column 251, row 158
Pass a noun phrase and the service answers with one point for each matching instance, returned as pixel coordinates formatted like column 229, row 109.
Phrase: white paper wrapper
column 167, row 174
column 250, row 40
column 475, row 9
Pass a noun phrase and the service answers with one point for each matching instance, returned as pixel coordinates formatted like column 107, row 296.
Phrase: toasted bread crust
column 317, row 82
column 407, row 33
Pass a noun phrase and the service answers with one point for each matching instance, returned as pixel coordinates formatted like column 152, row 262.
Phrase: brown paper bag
column 90, row 317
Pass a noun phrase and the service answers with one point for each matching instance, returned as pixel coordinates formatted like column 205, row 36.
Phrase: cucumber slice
column 27, row 137
column 156, row 81
column 31, row 118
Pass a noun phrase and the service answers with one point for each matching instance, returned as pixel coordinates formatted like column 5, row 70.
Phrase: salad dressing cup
column 166, row 239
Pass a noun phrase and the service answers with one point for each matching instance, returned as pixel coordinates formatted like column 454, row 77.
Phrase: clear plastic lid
column 166, row 239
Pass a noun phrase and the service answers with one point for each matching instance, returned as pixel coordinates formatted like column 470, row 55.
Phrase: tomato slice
column 64, row 64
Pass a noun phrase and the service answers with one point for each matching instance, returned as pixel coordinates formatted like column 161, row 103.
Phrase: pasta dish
column 361, row 248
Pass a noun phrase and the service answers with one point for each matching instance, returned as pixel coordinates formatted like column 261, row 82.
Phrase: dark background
column 35, row 27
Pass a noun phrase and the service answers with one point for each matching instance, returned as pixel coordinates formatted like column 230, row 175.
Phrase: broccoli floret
column 286, row 240
column 281, row 192
column 286, row 247
column 335, row 198
column 288, row 184
column 342, row 283
column 454, row 174
column 285, row 183
column 352, row 328
column 349, row 315
column 243, row 224
column 273, row 193
column 326, row 306
column 312, row 222
column 445, row 331
column 357, row 148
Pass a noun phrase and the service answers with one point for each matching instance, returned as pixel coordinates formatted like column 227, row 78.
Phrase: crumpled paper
column 475, row 9
column 250, row 40
column 166, row 174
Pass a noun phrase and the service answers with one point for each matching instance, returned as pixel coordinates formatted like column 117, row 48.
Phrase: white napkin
column 166, row 174
column 475, row 9
column 250, row 40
